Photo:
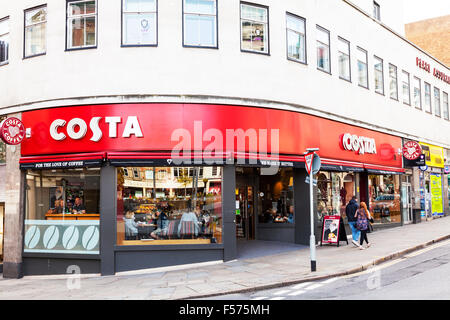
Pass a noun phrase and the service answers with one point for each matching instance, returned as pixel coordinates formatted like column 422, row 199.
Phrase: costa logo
column 358, row 144
column 412, row 150
column 12, row 131
column 77, row 128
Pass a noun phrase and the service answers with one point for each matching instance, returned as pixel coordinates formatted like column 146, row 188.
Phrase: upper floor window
column 200, row 23
column 139, row 22
column 361, row 56
column 254, row 28
column 376, row 11
column 445, row 105
column 81, row 24
column 4, row 40
column 323, row 49
column 437, row 102
column 393, row 86
column 296, row 35
column 427, row 97
column 417, row 100
column 406, row 90
column 378, row 75
column 344, row 58
column 35, row 31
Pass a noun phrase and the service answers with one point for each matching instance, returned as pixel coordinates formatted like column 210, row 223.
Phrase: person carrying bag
column 363, row 216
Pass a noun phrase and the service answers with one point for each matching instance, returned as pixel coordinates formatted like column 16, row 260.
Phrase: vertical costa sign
column 12, row 131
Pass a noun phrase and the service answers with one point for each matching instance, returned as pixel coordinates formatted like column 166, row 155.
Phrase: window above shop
column 254, row 28
column 35, row 31
column 81, row 24
column 200, row 23
column 139, row 22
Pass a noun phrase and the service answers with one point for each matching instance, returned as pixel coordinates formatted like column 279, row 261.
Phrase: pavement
column 257, row 272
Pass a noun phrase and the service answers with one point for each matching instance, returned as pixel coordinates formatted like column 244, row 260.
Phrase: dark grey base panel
column 49, row 266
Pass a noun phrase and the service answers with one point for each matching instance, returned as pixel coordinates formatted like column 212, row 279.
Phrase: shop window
column 323, row 49
column 427, row 97
column 378, row 75
column 384, row 195
column 254, row 28
column 344, row 58
column 62, row 211
column 334, row 191
column 139, row 22
column 200, row 23
column 135, row 173
column 393, row 86
column 437, row 102
column 35, row 31
column 276, row 197
column 4, row 40
column 81, row 24
column 173, row 206
column 361, row 57
column 417, row 93
column 296, row 38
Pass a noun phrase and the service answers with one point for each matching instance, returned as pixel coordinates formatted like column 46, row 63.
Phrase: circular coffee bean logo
column 90, row 238
column 70, row 237
column 51, row 237
column 32, row 237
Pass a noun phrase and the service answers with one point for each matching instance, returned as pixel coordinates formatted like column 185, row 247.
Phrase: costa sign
column 361, row 145
column 77, row 128
column 12, row 131
column 412, row 150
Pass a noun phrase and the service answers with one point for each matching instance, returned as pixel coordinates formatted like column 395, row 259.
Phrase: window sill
column 199, row 46
column 324, row 71
column 137, row 45
column 297, row 61
column 34, row 55
column 80, row 48
column 4, row 63
column 380, row 93
column 256, row 52
column 348, row 80
column 364, row 87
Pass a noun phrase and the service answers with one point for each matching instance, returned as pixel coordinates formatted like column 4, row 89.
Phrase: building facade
column 163, row 132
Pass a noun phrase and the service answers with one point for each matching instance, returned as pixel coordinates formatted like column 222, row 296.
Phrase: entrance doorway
column 407, row 210
column 2, row 219
column 245, row 203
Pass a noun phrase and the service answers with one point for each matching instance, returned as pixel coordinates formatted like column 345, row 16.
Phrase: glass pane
column 4, row 48
column 344, row 47
column 35, row 16
column 90, row 7
column 139, row 5
column 378, row 64
column 361, row 55
column 77, row 27
column 90, row 31
column 253, row 13
column 200, row 30
column 437, row 102
column 362, row 74
column 35, row 39
column 296, row 46
column 139, row 28
column 344, row 66
column 62, row 211
column 427, row 97
column 445, row 106
column 417, row 93
column 295, row 24
column 77, row 8
column 322, row 36
column 4, row 26
column 384, row 193
column 323, row 57
column 378, row 80
column 200, row 6
column 170, row 206
column 253, row 36
column 406, row 97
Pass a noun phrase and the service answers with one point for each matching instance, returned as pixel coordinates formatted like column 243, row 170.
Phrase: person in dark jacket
column 350, row 211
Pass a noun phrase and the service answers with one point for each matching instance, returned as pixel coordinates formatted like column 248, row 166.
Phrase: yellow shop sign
column 434, row 156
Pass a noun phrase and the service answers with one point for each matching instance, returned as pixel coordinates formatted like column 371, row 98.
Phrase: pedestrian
column 350, row 211
column 362, row 223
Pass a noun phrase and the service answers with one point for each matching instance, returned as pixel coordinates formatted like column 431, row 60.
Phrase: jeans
column 355, row 232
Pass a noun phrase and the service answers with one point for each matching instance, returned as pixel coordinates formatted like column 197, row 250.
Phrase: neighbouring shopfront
column 148, row 185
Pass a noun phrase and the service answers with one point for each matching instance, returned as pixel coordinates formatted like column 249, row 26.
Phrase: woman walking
column 362, row 216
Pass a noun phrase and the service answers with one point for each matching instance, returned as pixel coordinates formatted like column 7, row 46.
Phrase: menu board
column 333, row 230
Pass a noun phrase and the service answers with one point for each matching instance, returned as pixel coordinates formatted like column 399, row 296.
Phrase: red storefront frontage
column 130, row 186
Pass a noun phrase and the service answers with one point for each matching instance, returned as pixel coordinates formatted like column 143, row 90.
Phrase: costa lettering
column 12, row 131
column 360, row 145
column 77, row 128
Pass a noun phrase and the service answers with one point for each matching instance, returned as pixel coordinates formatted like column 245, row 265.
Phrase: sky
column 416, row 10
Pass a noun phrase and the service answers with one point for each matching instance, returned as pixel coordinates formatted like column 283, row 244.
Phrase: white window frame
column 327, row 45
column 71, row 17
column 27, row 27
column 215, row 45
column 123, row 36
column 5, row 35
column 299, row 34
column 376, row 11
column 266, row 23
column 376, row 74
column 420, row 93
column 348, row 65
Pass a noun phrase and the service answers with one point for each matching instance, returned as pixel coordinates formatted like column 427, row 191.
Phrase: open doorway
column 2, row 220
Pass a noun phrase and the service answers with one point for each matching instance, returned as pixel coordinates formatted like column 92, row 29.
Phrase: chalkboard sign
column 333, row 230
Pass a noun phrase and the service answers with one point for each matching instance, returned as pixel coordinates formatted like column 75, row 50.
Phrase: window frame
column 439, row 100
column 409, row 88
column 287, row 37
column 3, row 63
column 25, row 31
column 217, row 27
column 376, row 11
column 122, row 30
column 349, row 59
column 420, row 92
column 367, row 67
column 268, row 27
column 329, row 49
column 396, row 81
column 68, row 2
column 382, row 75
column 424, row 95
column 446, row 117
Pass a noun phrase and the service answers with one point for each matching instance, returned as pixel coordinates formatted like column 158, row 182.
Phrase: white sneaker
column 361, row 248
column 355, row 243
column 368, row 245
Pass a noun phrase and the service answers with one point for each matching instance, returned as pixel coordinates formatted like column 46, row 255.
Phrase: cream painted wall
column 171, row 73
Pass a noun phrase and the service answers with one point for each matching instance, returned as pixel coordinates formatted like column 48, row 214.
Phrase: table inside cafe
column 72, row 216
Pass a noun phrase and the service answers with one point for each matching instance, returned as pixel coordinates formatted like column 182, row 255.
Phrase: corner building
column 152, row 127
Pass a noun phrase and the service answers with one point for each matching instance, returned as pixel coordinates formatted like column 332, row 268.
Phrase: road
column 421, row 275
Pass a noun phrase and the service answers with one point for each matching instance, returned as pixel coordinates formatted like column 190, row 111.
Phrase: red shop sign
column 412, row 150
column 201, row 127
column 12, row 131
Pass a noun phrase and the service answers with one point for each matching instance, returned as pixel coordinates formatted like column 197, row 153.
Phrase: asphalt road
column 421, row 275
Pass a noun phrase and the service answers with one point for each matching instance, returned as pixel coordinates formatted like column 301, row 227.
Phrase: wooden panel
column 85, row 216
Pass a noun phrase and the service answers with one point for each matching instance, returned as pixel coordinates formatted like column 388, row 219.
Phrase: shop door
column 406, row 202
column 2, row 215
column 245, row 215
